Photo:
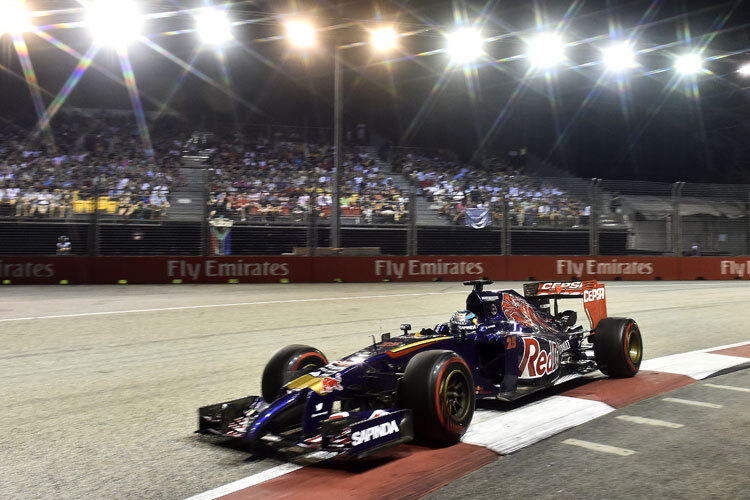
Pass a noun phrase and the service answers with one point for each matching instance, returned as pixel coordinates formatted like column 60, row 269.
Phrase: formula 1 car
column 424, row 385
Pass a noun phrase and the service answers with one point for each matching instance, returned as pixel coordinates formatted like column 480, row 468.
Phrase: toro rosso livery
column 423, row 385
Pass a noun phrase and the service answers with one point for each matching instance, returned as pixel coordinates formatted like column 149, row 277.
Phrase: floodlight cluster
column 118, row 22
column 546, row 50
column 689, row 64
column 465, row 45
column 301, row 33
column 14, row 17
column 619, row 57
column 114, row 22
column 214, row 27
column 384, row 39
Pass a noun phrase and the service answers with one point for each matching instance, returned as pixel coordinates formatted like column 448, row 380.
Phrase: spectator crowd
column 98, row 163
column 261, row 180
column 95, row 163
column 452, row 187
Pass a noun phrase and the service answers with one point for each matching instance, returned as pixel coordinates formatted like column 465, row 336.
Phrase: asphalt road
column 683, row 451
column 100, row 384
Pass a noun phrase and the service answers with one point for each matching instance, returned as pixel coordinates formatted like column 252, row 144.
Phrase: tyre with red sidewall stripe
column 286, row 364
column 618, row 347
column 438, row 387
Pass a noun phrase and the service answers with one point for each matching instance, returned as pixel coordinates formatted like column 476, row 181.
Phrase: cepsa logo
column 592, row 295
column 567, row 285
column 538, row 360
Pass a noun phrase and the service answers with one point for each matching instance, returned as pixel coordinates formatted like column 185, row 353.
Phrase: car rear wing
column 592, row 293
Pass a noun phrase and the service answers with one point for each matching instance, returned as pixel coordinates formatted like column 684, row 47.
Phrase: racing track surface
column 100, row 384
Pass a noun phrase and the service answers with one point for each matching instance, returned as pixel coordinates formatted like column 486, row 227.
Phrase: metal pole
column 594, row 217
column 412, row 231
column 94, row 246
column 677, row 219
column 507, row 250
column 205, row 229
column 338, row 145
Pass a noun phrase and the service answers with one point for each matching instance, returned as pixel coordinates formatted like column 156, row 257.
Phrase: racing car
column 423, row 385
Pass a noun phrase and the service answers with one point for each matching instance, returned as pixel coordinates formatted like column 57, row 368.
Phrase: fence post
column 94, row 231
column 747, row 217
column 411, row 234
column 205, row 231
column 594, row 216
column 676, row 219
column 312, row 228
column 506, row 243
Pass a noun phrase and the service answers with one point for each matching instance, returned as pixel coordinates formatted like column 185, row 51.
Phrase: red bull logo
column 330, row 384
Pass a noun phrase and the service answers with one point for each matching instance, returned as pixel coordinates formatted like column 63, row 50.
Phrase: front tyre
column 618, row 347
column 438, row 387
column 286, row 364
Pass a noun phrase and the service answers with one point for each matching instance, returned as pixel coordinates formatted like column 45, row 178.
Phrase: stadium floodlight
column 114, row 22
column 689, row 64
column 14, row 18
column 465, row 45
column 546, row 50
column 300, row 33
column 214, row 27
column 619, row 57
column 384, row 39
column 744, row 69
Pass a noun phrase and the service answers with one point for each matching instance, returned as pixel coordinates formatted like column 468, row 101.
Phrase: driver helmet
column 463, row 321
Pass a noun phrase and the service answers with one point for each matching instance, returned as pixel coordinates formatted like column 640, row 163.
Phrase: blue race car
column 424, row 385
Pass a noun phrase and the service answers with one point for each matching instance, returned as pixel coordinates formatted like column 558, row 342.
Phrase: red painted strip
column 403, row 472
column 740, row 350
column 620, row 392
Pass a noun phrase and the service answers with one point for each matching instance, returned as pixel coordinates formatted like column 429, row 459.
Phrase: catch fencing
column 547, row 216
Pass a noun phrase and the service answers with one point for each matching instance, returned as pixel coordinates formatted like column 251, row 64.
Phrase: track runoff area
column 101, row 385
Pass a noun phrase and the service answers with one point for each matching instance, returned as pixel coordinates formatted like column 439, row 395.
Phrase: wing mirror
column 567, row 319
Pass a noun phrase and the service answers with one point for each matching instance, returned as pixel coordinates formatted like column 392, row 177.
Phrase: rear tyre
column 286, row 364
column 438, row 387
column 618, row 347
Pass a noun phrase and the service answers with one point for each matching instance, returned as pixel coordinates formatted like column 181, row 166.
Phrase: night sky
column 652, row 125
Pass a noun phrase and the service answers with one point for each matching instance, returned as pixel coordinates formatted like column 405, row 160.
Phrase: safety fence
column 275, row 269
column 534, row 216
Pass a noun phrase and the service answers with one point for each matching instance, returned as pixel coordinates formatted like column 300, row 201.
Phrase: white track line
column 649, row 421
column 231, row 304
column 728, row 387
column 692, row 403
column 603, row 448
column 246, row 482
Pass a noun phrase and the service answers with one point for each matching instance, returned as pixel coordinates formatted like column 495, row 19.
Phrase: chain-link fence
column 529, row 216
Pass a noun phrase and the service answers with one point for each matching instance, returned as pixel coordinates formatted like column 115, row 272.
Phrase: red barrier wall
column 32, row 270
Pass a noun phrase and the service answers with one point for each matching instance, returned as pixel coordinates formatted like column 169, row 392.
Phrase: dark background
column 658, row 126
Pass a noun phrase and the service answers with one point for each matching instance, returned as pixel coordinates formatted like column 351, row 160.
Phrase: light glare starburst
column 300, row 33
column 214, row 27
column 14, row 18
column 465, row 45
column 689, row 64
column 546, row 50
column 384, row 39
column 114, row 22
column 619, row 57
